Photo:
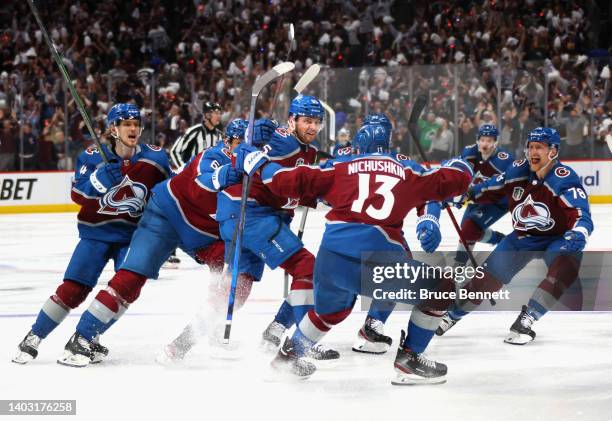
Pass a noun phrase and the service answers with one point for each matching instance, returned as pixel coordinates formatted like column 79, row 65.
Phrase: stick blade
column 417, row 109
column 307, row 77
column 332, row 120
column 278, row 70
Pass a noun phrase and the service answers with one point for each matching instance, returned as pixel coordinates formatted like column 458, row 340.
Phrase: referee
column 198, row 137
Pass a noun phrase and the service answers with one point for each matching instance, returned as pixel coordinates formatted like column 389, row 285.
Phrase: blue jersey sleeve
column 575, row 200
column 87, row 163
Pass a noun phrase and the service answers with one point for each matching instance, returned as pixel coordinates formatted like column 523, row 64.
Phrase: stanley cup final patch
column 517, row 193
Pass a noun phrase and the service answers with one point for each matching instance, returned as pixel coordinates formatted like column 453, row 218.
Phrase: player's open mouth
column 535, row 160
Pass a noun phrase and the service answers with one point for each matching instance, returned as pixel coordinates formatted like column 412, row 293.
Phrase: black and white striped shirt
column 192, row 142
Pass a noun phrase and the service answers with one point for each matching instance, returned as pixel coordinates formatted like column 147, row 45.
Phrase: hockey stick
column 309, row 75
column 68, row 81
column 290, row 37
column 417, row 109
column 260, row 83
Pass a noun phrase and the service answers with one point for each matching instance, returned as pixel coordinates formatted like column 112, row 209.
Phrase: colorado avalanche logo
column 529, row 214
column 562, row 172
column 503, row 155
column 518, row 162
column 127, row 197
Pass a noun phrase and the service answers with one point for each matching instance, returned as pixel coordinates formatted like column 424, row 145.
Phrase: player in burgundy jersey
column 551, row 219
column 370, row 196
column 112, row 197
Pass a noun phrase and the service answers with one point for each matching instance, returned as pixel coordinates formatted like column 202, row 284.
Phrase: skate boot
column 271, row 337
column 288, row 363
column 445, row 324
column 371, row 338
column 172, row 262
column 322, row 352
column 28, row 349
column 77, row 352
column 99, row 351
column 413, row 368
column 520, row 331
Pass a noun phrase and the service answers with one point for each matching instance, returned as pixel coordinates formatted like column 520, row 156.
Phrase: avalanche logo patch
column 154, row 147
column 344, row 151
column 402, row 157
column 127, row 197
column 518, row 163
column 529, row 215
column 562, row 172
column 517, row 193
column 503, row 155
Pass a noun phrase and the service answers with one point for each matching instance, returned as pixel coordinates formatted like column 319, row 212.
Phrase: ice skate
column 371, row 338
column 414, row 369
column 172, row 263
column 321, row 352
column 28, row 349
column 272, row 336
column 77, row 352
column 287, row 363
column 445, row 324
column 520, row 331
column 99, row 351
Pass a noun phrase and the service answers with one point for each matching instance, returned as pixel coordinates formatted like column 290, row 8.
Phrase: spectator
column 574, row 125
column 8, row 145
column 441, row 142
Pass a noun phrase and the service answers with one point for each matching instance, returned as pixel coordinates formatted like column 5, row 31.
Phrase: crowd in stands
column 515, row 63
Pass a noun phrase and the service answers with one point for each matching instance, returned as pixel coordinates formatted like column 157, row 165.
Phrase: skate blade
column 268, row 347
column 515, row 338
column 276, row 374
column 413, row 380
column 98, row 358
column 22, row 358
column 73, row 360
column 226, row 352
column 366, row 347
column 167, row 265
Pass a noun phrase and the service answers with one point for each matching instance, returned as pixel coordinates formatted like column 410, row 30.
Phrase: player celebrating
column 112, row 198
column 367, row 215
column 267, row 236
column 488, row 161
column 550, row 215
column 179, row 214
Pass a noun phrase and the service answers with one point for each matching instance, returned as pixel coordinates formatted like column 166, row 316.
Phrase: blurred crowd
column 517, row 64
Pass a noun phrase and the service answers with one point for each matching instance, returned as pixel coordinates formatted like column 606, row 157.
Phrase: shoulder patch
column 154, row 147
column 344, row 151
column 402, row 157
column 562, row 172
column 503, row 155
column 92, row 150
column 518, row 163
column 282, row 131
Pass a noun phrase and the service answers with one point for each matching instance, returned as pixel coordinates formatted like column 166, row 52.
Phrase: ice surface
column 565, row 374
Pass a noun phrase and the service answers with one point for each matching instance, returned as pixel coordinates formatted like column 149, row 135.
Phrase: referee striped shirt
column 192, row 142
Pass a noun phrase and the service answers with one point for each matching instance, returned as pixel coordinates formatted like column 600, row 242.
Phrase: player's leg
column 561, row 281
column 371, row 338
column 334, row 301
column 500, row 267
column 475, row 226
column 151, row 244
column 86, row 264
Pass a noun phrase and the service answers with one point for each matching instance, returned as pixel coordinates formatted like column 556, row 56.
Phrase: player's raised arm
column 451, row 179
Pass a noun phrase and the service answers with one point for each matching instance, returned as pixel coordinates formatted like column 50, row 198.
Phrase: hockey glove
column 428, row 233
column 262, row 131
column 225, row 175
column 249, row 159
column 574, row 241
column 106, row 176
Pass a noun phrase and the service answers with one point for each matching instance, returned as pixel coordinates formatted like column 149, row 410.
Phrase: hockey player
column 488, row 161
column 179, row 214
column 112, row 198
column 370, row 196
column 551, row 219
column 195, row 140
column 267, row 236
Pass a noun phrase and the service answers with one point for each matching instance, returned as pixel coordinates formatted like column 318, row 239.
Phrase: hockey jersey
column 112, row 216
column 370, row 196
column 194, row 191
column 484, row 169
column 285, row 150
column 547, row 207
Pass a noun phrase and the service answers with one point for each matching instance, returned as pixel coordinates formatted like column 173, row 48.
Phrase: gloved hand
column 574, row 241
column 249, row 159
column 263, row 130
column 106, row 176
column 428, row 233
column 226, row 175
column 461, row 200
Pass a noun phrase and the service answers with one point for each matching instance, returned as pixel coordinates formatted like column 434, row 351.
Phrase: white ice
column 565, row 374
